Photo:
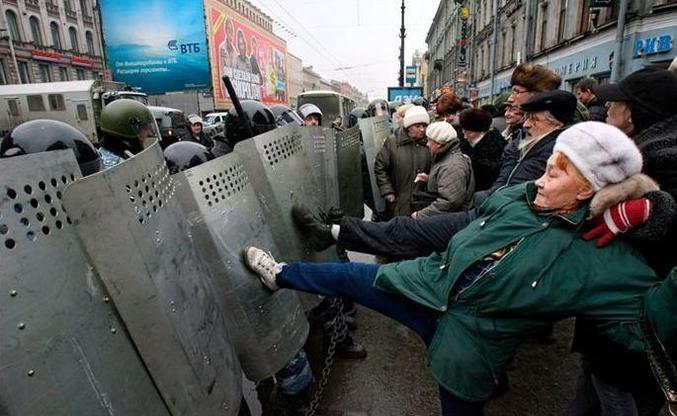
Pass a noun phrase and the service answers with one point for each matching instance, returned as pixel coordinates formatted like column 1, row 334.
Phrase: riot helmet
column 42, row 135
column 378, row 107
column 356, row 115
column 185, row 155
column 127, row 125
column 285, row 115
column 258, row 116
column 308, row 110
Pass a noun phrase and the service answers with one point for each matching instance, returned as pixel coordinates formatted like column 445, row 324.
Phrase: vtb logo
column 174, row 45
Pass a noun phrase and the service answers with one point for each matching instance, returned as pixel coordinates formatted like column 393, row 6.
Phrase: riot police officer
column 311, row 114
column 356, row 115
column 378, row 107
column 258, row 117
column 42, row 135
column 128, row 126
column 181, row 156
column 285, row 115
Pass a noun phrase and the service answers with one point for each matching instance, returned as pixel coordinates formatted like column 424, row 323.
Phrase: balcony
column 52, row 9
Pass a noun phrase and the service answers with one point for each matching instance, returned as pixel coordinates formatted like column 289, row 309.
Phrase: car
column 214, row 118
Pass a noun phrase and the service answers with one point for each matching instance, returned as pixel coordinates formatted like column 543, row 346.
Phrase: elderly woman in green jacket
column 509, row 275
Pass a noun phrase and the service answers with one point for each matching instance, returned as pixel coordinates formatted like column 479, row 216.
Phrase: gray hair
column 551, row 118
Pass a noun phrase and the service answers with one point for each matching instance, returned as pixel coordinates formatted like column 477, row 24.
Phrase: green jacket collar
column 575, row 218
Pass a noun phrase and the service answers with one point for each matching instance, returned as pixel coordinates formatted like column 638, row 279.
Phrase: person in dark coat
column 483, row 144
column 514, row 118
column 402, row 157
column 548, row 114
column 450, row 184
column 586, row 95
column 196, row 133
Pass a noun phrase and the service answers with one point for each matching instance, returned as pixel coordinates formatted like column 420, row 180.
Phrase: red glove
column 619, row 219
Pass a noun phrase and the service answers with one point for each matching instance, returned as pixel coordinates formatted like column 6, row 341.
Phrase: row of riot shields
column 125, row 292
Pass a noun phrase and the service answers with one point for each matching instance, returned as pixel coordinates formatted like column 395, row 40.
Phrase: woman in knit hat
column 509, row 275
column 450, row 185
column 402, row 156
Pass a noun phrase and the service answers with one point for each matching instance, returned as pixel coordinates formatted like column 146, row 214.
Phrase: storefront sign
column 464, row 14
column 82, row 61
column 582, row 65
column 653, row 46
column 45, row 56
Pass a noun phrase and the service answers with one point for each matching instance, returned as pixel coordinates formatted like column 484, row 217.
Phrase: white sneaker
column 262, row 264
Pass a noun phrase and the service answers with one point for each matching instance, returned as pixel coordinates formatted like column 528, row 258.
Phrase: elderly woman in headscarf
column 510, row 274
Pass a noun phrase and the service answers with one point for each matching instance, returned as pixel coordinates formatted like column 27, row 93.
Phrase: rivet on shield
column 12, row 293
column 106, row 299
column 31, row 373
column 21, row 325
column 113, row 330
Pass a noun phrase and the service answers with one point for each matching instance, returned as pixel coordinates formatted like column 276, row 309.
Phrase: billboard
column 404, row 94
column 255, row 60
column 156, row 45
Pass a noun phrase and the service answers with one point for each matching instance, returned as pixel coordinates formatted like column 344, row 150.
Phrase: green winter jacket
column 550, row 274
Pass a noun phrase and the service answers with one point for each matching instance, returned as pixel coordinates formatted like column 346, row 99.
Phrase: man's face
column 452, row 119
column 433, row 146
column 416, row 131
column 558, row 190
column 312, row 120
column 513, row 115
column 618, row 114
column 519, row 95
column 538, row 124
column 196, row 128
column 584, row 96
column 241, row 44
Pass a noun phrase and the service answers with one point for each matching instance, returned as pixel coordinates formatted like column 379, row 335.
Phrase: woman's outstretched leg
column 353, row 281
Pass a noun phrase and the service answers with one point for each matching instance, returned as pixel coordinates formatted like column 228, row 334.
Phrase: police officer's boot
column 351, row 350
column 318, row 233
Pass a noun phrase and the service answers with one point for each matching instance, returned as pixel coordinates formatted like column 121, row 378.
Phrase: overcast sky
column 360, row 35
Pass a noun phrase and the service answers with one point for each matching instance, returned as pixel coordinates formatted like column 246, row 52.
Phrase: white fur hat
column 416, row 114
column 441, row 132
column 601, row 152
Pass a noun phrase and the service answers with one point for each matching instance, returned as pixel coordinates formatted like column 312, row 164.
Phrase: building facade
column 53, row 40
column 294, row 78
column 569, row 36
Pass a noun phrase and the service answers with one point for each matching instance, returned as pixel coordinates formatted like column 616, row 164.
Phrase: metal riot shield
column 349, row 173
column 63, row 348
column 319, row 144
column 277, row 167
column 375, row 131
column 137, row 237
column 268, row 329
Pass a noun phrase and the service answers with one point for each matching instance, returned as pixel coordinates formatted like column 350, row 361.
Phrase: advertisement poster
column 255, row 61
column 404, row 94
column 156, row 45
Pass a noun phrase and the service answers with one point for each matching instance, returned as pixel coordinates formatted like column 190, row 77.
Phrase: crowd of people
column 569, row 218
column 500, row 221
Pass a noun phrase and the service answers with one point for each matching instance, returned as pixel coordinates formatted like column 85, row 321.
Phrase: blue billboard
column 404, row 94
column 156, row 45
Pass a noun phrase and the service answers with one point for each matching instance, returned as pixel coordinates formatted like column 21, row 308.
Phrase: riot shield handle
column 238, row 106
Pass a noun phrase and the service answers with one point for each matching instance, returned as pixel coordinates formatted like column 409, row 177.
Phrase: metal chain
column 328, row 360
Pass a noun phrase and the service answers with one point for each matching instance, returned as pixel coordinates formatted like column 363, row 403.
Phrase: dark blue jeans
column 355, row 281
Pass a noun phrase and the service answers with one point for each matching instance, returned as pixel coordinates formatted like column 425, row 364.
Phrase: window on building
column 504, row 47
column 68, row 5
column 14, row 109
column 3, row 75
column 12, row 25
column 63, row 73
column 35, row 30
column 583, row 17
column 561, row 21
column 513, row 37
column 80, row 74
column 84, row 8
column 90, row 42
column 56, row 102
column 35, row 103
column 45, row 73
column 74, row 39
column 543, row 32
column 82, row 112
column 56, row 35
column 24, row 73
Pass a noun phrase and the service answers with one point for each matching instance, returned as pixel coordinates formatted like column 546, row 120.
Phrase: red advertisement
column 255, row 61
